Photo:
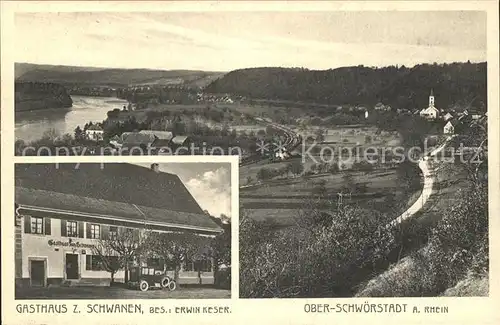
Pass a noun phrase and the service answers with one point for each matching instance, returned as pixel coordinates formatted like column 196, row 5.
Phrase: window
column 93, row 263
column 71, row 229
column 97, row 263
column 36, row 225
column 95, row 231
column 155, row 263
column 204, row 265
column 188, row 266
column 113, row 232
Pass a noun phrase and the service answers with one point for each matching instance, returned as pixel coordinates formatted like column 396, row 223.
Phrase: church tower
column 431, row 99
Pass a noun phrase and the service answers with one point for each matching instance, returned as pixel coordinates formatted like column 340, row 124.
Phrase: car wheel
column 172, row 285
column 143, row 285
column 165, row 281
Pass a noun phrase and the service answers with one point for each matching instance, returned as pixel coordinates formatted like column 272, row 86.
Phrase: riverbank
column 32, row 125
column 30, row 96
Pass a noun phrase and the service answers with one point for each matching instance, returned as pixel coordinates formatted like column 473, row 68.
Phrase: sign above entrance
column 52, row 242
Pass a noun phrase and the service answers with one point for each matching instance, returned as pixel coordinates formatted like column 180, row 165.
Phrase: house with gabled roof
column 95, row 132
column 63, row 210
column 447, row 117
column 452, row 126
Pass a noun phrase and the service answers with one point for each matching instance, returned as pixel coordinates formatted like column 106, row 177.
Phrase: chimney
column 155, row 167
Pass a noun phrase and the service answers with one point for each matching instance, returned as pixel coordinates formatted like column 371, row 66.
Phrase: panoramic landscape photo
column 362, row 136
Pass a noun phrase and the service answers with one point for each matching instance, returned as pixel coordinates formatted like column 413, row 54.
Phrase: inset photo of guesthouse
column 120, row 230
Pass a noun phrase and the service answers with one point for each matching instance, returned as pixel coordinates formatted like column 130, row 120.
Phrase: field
column 111, row 76
column 283, row 199
column 350, row 135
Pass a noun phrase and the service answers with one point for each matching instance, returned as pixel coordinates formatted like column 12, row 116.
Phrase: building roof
column 453, row 122
column 465, row 117
column 429, row 109
column 55, row 203
column 94, row 127
column 117, row 182
column 180, row 139
column 162, row 135
column 137, row 138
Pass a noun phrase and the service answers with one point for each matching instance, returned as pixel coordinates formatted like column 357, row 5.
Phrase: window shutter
column 88, row 263
column 27, row 224
column 63, row 228
column 88, row 230
column 47, row 226
column 105, row 231
column 81, row 229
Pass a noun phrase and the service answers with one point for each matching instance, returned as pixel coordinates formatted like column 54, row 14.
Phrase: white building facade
column 56, row 251
column 431, row 112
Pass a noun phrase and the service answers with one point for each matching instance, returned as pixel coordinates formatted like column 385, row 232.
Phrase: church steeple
column 431, row 98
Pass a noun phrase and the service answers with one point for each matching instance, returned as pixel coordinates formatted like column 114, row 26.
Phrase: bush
column 315, row 259
column 457, row 249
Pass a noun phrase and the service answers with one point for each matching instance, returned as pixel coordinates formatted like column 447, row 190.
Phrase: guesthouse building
column 64, row 210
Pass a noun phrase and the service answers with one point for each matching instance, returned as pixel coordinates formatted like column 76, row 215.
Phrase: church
column 431, row 112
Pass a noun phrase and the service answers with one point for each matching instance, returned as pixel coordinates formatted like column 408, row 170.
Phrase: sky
column 224, row 41
column 209, row 183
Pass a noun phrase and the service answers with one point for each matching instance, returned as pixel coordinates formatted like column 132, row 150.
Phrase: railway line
column 290, row 142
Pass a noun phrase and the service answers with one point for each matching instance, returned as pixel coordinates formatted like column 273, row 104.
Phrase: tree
column 348, row 184
column 297, row 168
column 319, row 136
column 320, row 189
column 79, row 134
column 128, row 245
column 263, row 174
column 19, row 146
column 50, row 134
column 363, row 166
column 321, row 258
column 409, row 175
column 109, row 259
column 333, row 168
column 177, row 248
column 221, row 247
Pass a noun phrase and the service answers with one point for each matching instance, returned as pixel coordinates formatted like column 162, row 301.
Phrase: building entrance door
column 37, row 273
column 72, row 266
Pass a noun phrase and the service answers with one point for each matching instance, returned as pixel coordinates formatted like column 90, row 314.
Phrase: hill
column 456, row 84
column 70, row 75
column 40, row 95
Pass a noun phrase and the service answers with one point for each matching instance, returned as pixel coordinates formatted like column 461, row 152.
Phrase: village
column 164, row 140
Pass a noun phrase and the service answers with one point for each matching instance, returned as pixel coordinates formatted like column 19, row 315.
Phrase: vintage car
column 144, row 278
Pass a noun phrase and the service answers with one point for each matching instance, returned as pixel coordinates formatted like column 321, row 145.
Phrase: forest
column 455, row 85
column 40, row 95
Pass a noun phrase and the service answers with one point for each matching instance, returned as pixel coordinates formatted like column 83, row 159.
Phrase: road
column 428, row 188
column 206, row 292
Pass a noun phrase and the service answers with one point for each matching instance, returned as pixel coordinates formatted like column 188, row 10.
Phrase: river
column 32, row 125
